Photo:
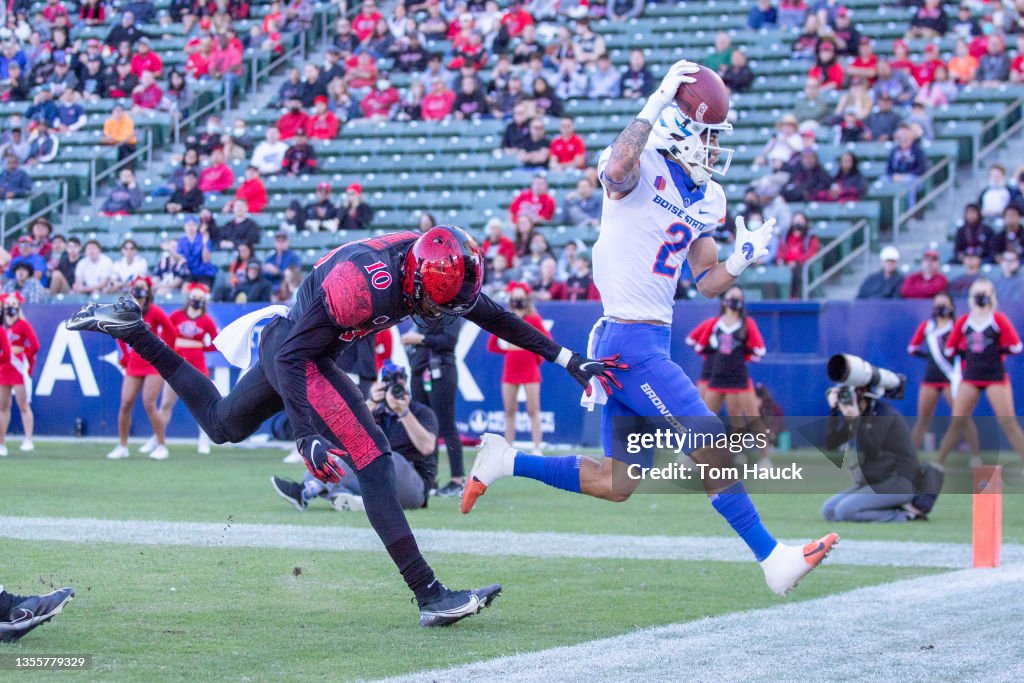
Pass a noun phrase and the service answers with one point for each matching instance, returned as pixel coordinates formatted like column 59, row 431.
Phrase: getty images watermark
column 669, row 440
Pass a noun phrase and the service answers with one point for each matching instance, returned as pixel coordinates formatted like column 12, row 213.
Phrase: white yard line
column 957, row 626
column 487, row 543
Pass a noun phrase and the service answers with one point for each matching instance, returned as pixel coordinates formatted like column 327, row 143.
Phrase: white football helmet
column 690, row 143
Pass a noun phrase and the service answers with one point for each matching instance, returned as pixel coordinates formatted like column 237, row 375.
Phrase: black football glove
column 320, row 460
column 584, row 369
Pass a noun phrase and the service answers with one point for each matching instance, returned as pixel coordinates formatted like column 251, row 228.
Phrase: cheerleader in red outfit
column 705, row 368
column 983, row 338
column 929, row 342
column 16, row 370
column 141, row 377
column 730, row 343
column 522, row 368
column 194, row 332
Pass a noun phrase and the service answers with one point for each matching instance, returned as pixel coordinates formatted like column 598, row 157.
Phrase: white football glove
column 750, row 245
column 678, row 74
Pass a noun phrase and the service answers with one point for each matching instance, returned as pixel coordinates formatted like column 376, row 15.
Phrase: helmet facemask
column 693, row 145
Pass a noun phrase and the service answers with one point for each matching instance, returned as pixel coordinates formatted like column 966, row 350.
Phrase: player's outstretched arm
column 714, row 277
column 622, row 171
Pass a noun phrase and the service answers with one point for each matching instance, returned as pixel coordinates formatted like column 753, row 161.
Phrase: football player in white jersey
column 660, row 207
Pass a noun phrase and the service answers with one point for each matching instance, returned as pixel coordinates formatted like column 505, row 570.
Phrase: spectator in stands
column 145, row 59
column 517, row 132
column 70, row 114
column 178, row 97
column 907, row 161
column 253, row 287
column 497, row 278
column 928, row 281
column 194, row 249
column 579, row 285
column 637, row 81
column 865, row 63
column 545, row 101
column 147, row 94
column 605, row 79
column 43, row 146
column 994, row 65
column 964, row 26
column 225, row 61
column 470, row 103
column 125, row 197
column 897, row 84
column 827, row 70
column 814, row 106
column 961, row 284
column 268, row 156
column 1009, row 284
column 582, row 207
column 882, row 123
column 798, row 246
column 885, row 284
column 252, row 191
column 119, row 131
column 807, row 178
column 426, row 222
column 437, row 104
column 542, row 277
column 996, row 195
column 738, row 77
column 497, row 243
column 16, row 146
column 845, row 34
column 411, row 56
column 322, row 214
column 356, row 214
column 940, row 91
column 381, row 102
column 536, row 150
column 92, row 273
column 311, row 87
column 848, row 185
column 292, row 120
column 930, row 21
column 792, row 14
column 806, row 44
column 23, row 282
column 588, row 46
column 362, row 71
column 188, row 198
column 534, row 202
column 366, row 20
column 237, row 144
column 323, row 124
column 924, row 71
column 241, row 229
column 1011, row 237
column 209, row 137
column 571, row 80
column 567, row 149
column 26, row 251
column 217, row 176
column 93, row 13
column 289, row 90
column 127, row 268
column 281, row 260
column 14, row 181
column 15, row 88
column 856, row 98
column 62, row 274
column 410, row 106
column 1017, row 64
column 973, row 234
column 762, row 15
column 963, row 66
column 300, row 157
column 921, row 122
column 721, row 56
column 524, row 232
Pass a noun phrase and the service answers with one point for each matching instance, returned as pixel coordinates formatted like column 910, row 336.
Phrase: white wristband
column 563, row 357
column 736, row 264
column 651, row 111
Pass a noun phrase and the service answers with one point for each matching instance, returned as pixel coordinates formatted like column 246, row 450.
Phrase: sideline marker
column 988, row 515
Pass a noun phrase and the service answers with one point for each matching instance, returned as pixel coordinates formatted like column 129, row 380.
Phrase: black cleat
column 450, row 490
column 290, row 491
column 452, row 606
column 118, row 319
column 31, row 612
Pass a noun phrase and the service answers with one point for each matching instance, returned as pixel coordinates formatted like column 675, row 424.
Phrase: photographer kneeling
column 886, row 468
column 411, row 429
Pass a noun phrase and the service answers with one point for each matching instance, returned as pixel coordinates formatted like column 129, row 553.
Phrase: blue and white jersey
column 646, row 235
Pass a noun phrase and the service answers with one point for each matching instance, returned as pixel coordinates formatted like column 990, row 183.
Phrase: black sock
column 385, row 513
column 153, row 349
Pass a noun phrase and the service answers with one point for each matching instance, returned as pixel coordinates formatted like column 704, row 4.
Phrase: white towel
column 21, row 365
column 597, row 395
column 235, row 340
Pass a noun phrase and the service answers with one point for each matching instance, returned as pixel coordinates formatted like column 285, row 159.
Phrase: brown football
column 707, row 100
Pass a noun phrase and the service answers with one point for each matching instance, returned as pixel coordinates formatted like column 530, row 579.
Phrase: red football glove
column 320, row 460
column 584, row 369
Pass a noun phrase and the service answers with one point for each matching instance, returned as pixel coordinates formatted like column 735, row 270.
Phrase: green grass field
column 247, row 614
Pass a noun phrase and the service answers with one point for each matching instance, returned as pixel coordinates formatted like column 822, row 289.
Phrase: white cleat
column 293, row 458
column 159, row 453
column 787, row 564
column 149, row 445
column 347, row 502
column 204, row 443
column 3, row 450
column 27, row 446
column 495, row 459
column 119, row 453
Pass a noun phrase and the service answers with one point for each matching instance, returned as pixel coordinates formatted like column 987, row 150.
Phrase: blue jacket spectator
column 12, row 53
column 906, row 158
column 195, row 248
column 126, row 197
column 281, row 260
column 14, row 182
column 44, row 146
column 43, row 108
column 762, row 15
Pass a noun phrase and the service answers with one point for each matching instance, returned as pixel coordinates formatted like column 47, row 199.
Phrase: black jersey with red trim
column 929, row 342
column 983, row 346
column 356, row 290
column 731, row 346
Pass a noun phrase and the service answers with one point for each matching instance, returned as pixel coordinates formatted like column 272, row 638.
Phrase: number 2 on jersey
column 684, row 236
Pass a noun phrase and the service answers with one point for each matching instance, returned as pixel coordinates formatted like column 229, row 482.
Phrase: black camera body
column 394, row 384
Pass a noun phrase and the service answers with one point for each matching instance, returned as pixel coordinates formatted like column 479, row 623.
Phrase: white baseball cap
column 889, row 253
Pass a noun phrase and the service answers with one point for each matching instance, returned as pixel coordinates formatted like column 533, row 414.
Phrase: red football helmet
column 443, row 273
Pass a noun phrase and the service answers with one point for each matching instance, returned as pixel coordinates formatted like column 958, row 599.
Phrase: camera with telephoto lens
column 394, row 383
column 853, row 372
